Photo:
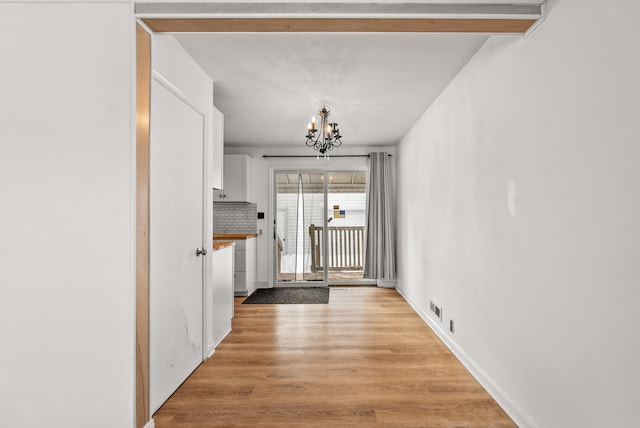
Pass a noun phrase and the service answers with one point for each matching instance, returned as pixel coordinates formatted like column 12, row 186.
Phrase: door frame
column 143, row 110
column 177, row 23
column 144, row 77
column 273, row 194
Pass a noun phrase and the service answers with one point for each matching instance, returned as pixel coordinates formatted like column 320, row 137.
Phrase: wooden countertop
column 220, row 245
column 234, row 236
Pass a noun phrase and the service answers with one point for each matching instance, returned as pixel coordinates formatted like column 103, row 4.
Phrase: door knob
column 201, row 251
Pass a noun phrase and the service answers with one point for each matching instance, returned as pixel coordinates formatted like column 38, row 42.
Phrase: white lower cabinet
column 220, row 307
column 245, row 267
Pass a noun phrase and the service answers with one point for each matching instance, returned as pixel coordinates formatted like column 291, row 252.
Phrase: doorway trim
column 183, row 21
column 143, row 106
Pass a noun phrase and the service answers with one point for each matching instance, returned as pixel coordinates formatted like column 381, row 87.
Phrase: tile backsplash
column 235, row 217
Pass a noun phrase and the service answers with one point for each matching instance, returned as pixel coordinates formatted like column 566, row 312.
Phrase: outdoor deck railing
column 345, row 245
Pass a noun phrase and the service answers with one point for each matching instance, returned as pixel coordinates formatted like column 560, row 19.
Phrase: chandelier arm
column 310, row 142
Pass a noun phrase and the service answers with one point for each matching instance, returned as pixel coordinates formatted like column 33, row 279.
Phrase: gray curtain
column 380, row 248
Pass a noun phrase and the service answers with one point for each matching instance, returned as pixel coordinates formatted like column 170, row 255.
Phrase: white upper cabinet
column 218, row 150
column 236, row 180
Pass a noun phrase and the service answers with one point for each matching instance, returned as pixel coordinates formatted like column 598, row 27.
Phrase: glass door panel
column 300, row 204
column 346, row 211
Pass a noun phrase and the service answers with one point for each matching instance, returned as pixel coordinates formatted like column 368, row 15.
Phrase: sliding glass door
column 300, row 201
column 319, row 227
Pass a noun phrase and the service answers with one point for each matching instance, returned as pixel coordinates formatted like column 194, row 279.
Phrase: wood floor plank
column 365, row 359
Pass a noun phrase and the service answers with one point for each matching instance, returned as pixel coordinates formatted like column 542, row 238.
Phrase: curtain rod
column 314, row 156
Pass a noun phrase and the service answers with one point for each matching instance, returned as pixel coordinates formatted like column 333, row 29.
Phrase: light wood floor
column 365, row 359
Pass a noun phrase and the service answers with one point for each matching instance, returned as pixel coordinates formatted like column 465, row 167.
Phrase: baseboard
column 251, row 290
column 386, row 283
column 150, row 424
column 514, row 412
column 211, row 348
column 223, row 336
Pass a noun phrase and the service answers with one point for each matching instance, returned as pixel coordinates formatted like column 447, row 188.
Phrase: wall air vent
column 437, row 310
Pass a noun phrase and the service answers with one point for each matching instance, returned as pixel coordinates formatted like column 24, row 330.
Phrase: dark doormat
column 289, row 295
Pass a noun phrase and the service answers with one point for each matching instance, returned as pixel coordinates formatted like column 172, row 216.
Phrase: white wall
column 175, row 64
column 521, row 183
column 261, row 183
column 66, row 215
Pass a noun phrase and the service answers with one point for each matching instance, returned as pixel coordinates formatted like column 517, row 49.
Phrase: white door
column 176, row 232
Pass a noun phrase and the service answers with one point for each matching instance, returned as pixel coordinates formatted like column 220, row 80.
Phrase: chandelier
column 329, row 135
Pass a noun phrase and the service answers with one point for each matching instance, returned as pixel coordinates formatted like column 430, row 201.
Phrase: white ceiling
column 377, row 84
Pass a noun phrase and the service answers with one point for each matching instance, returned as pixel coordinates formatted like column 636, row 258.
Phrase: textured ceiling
column 269, row 84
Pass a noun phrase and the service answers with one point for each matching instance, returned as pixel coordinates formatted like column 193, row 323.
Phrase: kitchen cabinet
column 220, row 295
column 245, row 267
column 218, row 150
column 235, row 185
column 245, row 260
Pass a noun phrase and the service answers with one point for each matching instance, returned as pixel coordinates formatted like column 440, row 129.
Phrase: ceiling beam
column 337, row 25
column 338, row 17
column 252, row 9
